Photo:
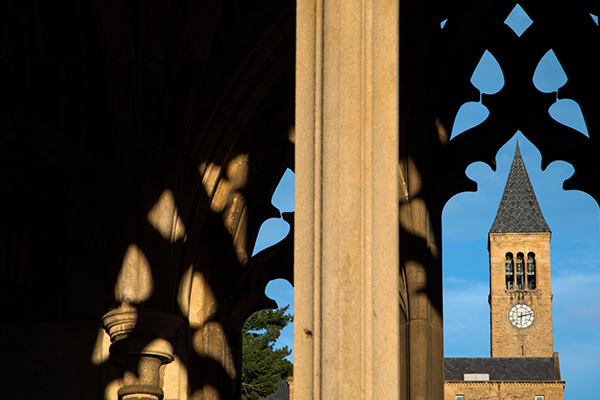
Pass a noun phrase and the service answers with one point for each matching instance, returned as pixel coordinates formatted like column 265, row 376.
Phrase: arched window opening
column 265, row 356
column 509, row 266
column 531, row 271
column 575, row 223
column 268, row 335
column 520, row 278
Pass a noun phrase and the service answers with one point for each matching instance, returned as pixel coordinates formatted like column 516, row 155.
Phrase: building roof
column 282, row 393
column 502, row 368
column 519, row 210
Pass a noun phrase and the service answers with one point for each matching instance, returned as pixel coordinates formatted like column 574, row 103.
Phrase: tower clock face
column 521, row 316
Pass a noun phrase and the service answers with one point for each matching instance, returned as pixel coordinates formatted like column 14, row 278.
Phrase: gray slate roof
column 501, row 368
column 519, row 210
column 282, row 393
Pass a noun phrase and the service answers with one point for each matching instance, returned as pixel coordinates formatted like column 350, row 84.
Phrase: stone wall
column 504, row 390
column 507, row 340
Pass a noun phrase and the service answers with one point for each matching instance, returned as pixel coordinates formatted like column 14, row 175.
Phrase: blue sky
column 573, row 217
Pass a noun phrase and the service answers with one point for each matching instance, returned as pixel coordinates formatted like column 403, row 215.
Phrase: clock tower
column 520, row 292
column 523, row 364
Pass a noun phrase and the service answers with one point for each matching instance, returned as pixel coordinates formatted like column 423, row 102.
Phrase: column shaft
column 347, row 244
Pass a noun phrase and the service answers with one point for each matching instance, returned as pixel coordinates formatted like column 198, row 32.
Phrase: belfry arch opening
column 521, row 271
column 574, row 220
column 509, row 267
column 531, row 271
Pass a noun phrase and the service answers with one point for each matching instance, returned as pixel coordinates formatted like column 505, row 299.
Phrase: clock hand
column 527, row 314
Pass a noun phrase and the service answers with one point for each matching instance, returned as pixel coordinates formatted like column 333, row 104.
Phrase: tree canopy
column 263, row 366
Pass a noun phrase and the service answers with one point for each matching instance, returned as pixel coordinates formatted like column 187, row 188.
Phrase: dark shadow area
column 105, row 109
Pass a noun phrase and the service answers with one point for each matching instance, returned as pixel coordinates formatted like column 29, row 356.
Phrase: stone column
column 141, row 344
column 347, row 339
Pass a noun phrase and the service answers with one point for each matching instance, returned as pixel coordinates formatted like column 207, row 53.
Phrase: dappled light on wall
column 224, row 189
column 184, row 291
column 412, row 203
column 112, row 388
column 207, row 392
column 101, row 348
column 134, row 283
column 165, row 218
column 195, row 297
column 224, row 185
column 220, row 354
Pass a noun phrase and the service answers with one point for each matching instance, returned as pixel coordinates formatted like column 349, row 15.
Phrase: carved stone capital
column 123, row 322
column 141, row 344
column 141, row 331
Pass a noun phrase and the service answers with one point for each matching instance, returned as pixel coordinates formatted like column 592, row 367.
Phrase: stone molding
column 510, row 383
column 132, row 392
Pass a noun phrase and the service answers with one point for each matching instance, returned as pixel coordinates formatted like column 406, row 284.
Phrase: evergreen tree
column 262, row 364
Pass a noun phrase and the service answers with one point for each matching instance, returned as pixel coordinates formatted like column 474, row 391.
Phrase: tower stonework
column 507, row 339
column 520, row 284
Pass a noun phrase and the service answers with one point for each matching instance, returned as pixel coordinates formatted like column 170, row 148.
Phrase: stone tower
column 520, row 290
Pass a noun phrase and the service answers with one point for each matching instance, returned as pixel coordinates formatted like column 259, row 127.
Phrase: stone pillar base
column 140, row 392
column 141, row 344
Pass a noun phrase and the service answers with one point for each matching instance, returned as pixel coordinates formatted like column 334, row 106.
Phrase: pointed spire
column 519, row 210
